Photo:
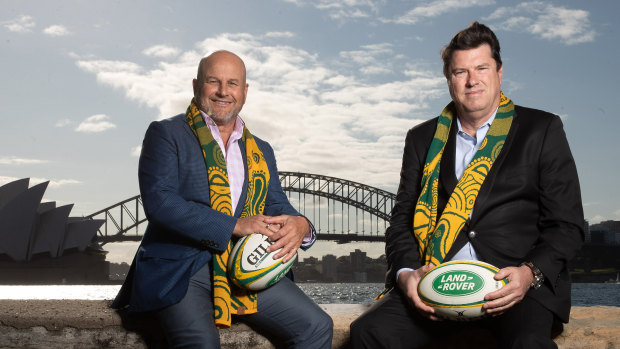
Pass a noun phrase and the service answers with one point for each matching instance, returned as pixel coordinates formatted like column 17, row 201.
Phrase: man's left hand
column 519, row 281
column 289, row 236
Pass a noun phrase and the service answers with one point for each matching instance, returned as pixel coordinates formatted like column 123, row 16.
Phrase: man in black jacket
column 489, row 181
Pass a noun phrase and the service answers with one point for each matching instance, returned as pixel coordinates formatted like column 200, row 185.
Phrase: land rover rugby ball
column 456, row 289
column 250, row 266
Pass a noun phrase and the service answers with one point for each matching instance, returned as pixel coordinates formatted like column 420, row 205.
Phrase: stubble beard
column 218, row 118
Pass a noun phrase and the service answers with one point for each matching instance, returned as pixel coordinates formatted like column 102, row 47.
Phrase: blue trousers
column 286, row 315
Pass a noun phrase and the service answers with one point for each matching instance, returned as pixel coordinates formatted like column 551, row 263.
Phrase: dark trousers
column 392, row 322
column 286, row 315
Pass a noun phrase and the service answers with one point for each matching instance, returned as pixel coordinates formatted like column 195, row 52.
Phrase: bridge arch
column 122, row 220
column 377, row 203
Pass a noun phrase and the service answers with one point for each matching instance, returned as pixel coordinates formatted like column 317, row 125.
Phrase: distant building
column 40, row 243
column 330, row 267
column 358, row 260
column 607, row 232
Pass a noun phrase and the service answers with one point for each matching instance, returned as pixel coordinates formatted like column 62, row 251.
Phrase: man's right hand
column 408, row 281
column 254, row 224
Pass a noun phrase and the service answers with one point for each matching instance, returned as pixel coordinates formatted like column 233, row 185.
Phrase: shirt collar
column 235, row 135
column 479, row 135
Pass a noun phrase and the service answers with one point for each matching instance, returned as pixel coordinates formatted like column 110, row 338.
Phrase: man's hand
column 408, row 282
column 519, row 281
column 254, row 224
column 289, row 236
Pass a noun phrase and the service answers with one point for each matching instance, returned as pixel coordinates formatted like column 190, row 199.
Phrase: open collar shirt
column 234, row 163
column 466, row 148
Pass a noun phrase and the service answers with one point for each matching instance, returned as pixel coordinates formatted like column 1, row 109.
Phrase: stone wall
column 73, row 324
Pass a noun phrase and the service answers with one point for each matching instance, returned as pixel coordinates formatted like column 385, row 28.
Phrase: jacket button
column 472, row 234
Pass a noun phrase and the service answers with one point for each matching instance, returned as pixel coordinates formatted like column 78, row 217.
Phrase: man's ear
column 195, row 86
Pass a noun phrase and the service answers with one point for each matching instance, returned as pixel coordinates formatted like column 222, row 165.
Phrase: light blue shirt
column 466, row 148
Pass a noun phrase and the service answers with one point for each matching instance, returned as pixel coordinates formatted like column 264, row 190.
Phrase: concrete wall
column 73, row 324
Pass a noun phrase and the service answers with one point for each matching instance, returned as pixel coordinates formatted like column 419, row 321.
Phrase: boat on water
column 612, row 281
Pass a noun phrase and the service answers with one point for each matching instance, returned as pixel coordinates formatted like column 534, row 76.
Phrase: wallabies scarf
column 436, row 236
column 227, row 298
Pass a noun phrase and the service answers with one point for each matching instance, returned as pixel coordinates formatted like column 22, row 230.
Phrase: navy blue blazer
column 183, row 230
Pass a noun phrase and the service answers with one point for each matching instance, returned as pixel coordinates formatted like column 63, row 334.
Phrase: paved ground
column 78, row 320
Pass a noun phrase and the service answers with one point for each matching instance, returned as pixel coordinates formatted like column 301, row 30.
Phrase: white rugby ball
column 251, row 267
column 456, row 289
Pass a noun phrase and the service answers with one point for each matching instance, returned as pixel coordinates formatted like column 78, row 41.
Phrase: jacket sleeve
column 401, row 247
column 561, row 219
column 159, row 170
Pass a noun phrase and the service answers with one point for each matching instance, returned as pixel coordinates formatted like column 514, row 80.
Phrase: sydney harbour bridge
column 341, row 210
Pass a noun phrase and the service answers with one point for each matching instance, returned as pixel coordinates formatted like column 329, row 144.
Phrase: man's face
column 475, row 82
column 221, row 89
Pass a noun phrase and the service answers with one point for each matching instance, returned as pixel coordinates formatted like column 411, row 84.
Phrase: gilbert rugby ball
column 456, row 289
column 251, row 267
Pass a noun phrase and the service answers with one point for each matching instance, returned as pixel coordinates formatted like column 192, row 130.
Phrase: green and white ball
column 456, row 289
column 250, row 266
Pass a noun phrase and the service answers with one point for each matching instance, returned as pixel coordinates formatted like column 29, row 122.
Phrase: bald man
column 190, row 226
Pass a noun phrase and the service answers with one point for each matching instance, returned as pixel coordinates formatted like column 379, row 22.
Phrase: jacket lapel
column 244, row 190
column 447, row 176
column 487, row 186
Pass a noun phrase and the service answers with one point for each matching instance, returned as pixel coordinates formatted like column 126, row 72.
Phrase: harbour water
column 584, row 294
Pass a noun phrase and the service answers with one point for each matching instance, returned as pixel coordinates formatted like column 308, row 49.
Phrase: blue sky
column 334, row 85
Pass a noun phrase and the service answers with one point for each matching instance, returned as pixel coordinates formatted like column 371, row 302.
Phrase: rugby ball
column 456, row 289
column 250, row 266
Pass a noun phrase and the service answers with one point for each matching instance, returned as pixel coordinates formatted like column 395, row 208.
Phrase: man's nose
column 472, row 79
column 222, row 90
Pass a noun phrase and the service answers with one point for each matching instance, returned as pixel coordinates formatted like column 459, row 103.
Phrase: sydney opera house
column 41, row 244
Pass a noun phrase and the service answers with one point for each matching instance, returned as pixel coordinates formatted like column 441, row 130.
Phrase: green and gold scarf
column 436, row 236
column 227, row 298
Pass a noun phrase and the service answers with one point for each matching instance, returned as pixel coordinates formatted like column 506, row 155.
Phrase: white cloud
column 343, row 10
column 287, row 35
column 13, row 160
column 546, row 21
column 135, row 151
column 437, row 8
column 95, row 123
column 56, row 30
column 161, row 51
column 21, row 24
column 596, row 219
column 59, row 183
column 35, row 180
column 318, row 117
column 172, row 81
column 375, row 70
column 373, row 59
column 63, row 123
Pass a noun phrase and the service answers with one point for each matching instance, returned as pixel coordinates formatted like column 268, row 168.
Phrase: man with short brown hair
column 486, row 180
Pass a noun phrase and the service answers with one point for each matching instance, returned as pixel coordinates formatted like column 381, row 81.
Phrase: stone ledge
column 73, row 324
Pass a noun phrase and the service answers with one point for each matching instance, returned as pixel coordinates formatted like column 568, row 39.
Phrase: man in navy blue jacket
column 172, row 272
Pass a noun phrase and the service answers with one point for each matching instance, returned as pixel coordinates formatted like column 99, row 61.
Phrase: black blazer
column 528, row 209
